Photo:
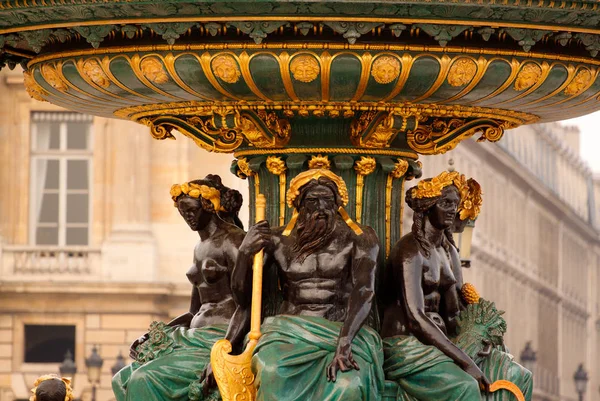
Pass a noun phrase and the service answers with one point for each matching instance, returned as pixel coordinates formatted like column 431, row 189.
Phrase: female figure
column 171, row 357
column 426, row 327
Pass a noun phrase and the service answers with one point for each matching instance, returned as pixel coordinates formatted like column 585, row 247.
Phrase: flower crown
column 314, row 174
column 196, row 191
column 433, row 188
column 470, row 200
column 66, row 380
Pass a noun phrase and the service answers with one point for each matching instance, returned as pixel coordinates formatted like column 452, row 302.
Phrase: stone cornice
column 93, row 288
column 501, row 161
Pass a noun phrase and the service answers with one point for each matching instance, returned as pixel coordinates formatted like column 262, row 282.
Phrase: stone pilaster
column 129, row 250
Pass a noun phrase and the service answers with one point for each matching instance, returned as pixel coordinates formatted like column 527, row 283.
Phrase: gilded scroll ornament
column 364, row 166
column 442, row 135
column 385, row 69
column 529, row 75
column 279, row 127
column 305, row 68
column 34, row 90
column 93, row 70
column 319, row 162
column 157, row 131
column 225, row 68
column 52, row 77
column 373, row 130
column 494, row 133
column 154, row 70
column 579, row 83
column 462, row 72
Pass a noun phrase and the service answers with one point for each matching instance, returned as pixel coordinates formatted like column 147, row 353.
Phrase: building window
column 48, row 343
column 61, row 161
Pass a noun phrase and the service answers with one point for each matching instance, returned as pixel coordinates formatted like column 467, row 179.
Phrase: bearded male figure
column 316, row 347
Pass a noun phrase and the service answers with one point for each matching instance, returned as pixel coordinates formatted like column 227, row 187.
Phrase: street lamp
column 119, row 364
column 94, row 366
column 68, row 367
column 581, row 379
column 528, row 357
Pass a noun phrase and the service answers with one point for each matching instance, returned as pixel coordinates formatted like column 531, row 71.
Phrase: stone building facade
column 102, row 272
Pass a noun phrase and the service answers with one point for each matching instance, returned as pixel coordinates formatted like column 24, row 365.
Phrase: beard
column 313, row 230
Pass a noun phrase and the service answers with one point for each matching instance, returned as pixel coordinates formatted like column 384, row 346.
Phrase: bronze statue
column 172, row 354
column 325, row 265
column 52, row 388
column 432, row 346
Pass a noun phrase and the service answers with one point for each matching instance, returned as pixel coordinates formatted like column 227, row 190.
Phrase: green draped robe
column 292, row 356
column 177, row 359
column 424, row 373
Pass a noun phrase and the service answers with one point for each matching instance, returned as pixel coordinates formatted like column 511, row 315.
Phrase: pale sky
column 589, row 127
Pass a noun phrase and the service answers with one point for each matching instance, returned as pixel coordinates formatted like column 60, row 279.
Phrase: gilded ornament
column 470, row 200
column 305, row 68
column 92, row 69
column 279, row 127
column 319, row 162
column 434, row 187
column 34, row 90
column 154, row 70
column 365, row 165
column 196, row 191
column 579, row 83
column 379, row 136
column 244, row 166
column 314, row 174
column 442, row 135
column 233, row 373
column 494, row 134
column 275, row 165
column 469, row 294
column 157, row 131
column 400, row 168
column 225, row 68
column 529, row 75
column 385, row 69
column 462, row 72
column 52, row 77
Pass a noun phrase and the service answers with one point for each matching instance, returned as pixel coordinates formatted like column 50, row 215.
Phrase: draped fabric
column 292, row 356
column 501, row 366
column 170, row 374
column 424, row 373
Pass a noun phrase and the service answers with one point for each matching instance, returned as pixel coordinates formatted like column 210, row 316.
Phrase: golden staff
column 233, row 373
